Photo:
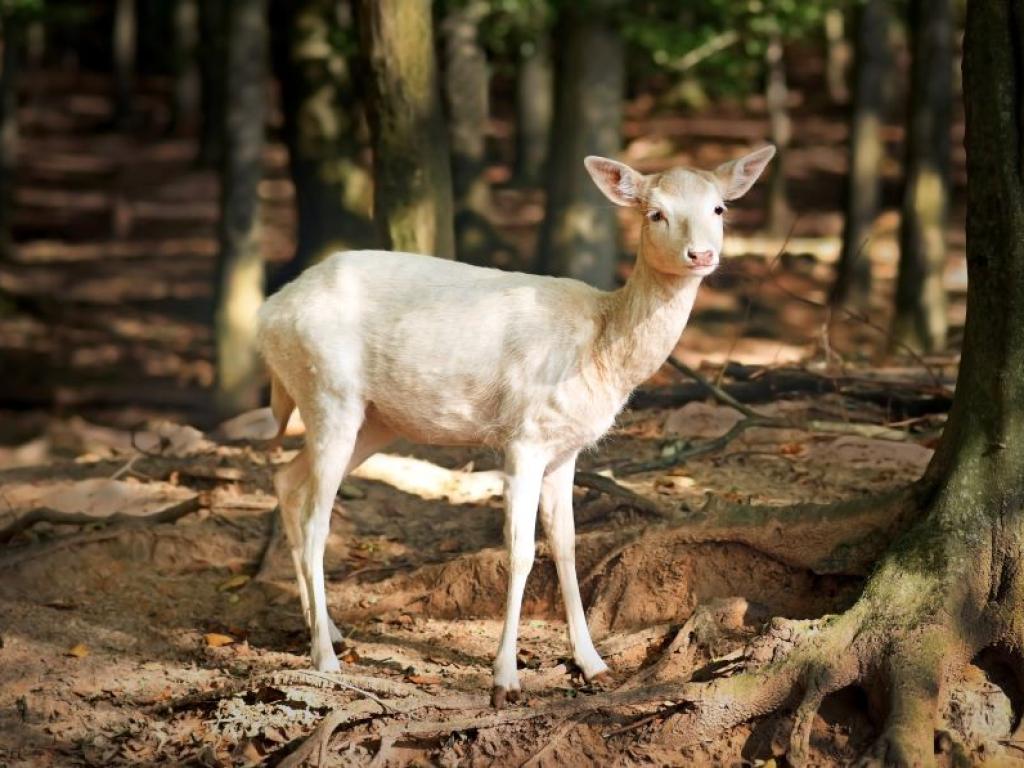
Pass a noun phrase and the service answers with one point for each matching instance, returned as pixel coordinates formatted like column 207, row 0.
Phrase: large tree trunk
column 776, row 96
column 920, row 322
column 333, row 191
column 212, row 57
column 11, row 34
column 952, row 583
column 125, row 36
column 535, row 100
column 579, row 237
column 240, row 265
column 411, row 167
column 863, row 181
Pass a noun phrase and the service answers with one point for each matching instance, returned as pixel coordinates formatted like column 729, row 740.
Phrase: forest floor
column 178, row 639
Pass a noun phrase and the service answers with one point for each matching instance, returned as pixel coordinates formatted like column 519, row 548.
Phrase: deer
column 374, row 345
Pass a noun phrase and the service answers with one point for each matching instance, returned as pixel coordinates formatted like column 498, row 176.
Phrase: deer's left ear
column 737, row 176
column 620, row 183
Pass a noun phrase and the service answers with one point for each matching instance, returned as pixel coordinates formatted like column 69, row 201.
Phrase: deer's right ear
column 620, row 183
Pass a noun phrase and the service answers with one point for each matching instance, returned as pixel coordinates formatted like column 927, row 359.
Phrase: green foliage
column 21, row 10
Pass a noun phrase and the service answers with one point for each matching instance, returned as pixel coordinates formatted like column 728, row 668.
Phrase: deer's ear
column 620, row 183
column 736, row 177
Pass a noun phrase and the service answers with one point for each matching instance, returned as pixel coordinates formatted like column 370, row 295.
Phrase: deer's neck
column 642, row 323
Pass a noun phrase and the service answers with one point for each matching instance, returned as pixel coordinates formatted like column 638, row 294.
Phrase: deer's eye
column 719, row 210
column 655, row 215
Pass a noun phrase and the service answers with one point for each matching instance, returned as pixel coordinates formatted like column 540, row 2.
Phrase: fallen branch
column 55, row 517
column 609, row 487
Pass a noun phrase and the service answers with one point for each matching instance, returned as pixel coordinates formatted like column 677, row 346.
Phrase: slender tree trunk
column 863, row 181
column 411, row 165
column 776, row 96
column 240, row 264
column 185, row 108
column 579, row 237
column 837, row 56
column 125, row 36
column 212, row 59
column 322, row 118
column 9, row 60
column 535, row 100
column 920, row 321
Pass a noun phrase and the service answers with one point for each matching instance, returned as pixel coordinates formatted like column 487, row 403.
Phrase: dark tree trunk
column 9, row 60
column 951, row 585
column 185, row 108
column 212, row 60
column 920, row 322
column 579, row 237
column 863, row 181
column 125, row 37
column 240, row 265
column 411, row 164
column 322, row 128
column 535, row 100
column 776, row 96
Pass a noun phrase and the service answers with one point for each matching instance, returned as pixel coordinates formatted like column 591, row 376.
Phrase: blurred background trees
column 458, row 128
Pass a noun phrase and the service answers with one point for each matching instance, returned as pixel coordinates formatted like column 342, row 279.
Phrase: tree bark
column 411, row 165
column 9, row 61
column 952, row 583
column 322, row 128
column 863, row 180
column 579, row 237
column 185, row 107
column 240, row 264
column 535, row 99
column 920, row 321
column 212, row 60
column 776, row 96
column 125, row 36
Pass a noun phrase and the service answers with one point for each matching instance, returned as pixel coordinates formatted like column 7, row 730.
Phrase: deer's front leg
column 556, row 515
column 524, row 469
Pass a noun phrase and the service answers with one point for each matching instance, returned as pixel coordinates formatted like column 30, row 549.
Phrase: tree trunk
column 776, row 96
column 863, row 181
column 411, row 166
column 920, row 322
column 837, row 56
column 579, row 237
column 11, row 30
column 212, row 59
column 333, row 191
column 952, row 584
column 185, row 108
column 535, row 99
column 466, row 92
column 240, row 265
column 125, row 35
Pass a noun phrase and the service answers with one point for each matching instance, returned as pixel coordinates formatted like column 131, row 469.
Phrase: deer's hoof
column 501, row 695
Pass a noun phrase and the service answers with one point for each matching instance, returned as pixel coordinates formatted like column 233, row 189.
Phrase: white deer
column 374, row 345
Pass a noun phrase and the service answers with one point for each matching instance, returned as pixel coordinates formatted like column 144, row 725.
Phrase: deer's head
column 683, row 208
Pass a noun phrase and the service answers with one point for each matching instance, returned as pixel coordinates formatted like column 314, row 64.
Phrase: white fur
column 371, row 345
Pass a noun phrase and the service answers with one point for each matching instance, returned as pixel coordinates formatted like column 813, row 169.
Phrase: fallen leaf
column 449, row 545
column 79, row 651
column 216, row 640
column 234, row 582
column 350, row 657
column 792, row 449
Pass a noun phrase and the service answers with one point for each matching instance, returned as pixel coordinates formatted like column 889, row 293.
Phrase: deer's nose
column 700, row 258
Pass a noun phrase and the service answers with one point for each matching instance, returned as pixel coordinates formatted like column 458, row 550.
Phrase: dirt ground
column 177, row 640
